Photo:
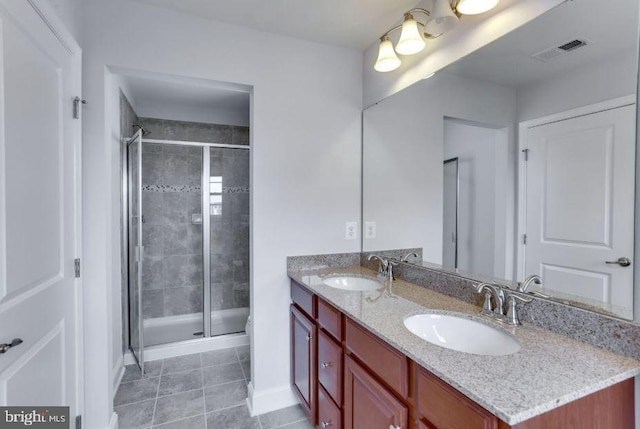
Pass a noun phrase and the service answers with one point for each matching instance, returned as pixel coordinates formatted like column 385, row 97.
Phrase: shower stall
column 187, row 214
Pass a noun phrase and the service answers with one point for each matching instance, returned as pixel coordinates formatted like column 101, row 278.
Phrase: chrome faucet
column 522, row 287
column 383, row 268
column 406, row 257
column 490, row 290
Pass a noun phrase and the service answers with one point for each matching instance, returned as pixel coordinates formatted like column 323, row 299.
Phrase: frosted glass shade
column 442, row 18
column 475, row 7
column 387, row 58
column 411, row 41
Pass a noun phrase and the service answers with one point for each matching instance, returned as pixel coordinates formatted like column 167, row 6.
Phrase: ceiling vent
column 556, row 52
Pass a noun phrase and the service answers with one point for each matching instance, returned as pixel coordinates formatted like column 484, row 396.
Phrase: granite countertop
column 550, row 370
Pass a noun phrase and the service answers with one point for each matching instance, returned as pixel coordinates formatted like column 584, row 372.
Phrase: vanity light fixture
column 442, row 18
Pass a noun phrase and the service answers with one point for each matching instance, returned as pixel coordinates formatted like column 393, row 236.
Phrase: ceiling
column 348, row 23
column 171, row 98
column 508, row 61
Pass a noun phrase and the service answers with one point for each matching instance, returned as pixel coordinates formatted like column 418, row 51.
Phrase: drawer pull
column 326, row 364
column 326, row 424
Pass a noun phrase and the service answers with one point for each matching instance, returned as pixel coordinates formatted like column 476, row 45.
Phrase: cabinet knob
column 394, row 427
column 325, row 424
column 309, row 337
column 326, row 364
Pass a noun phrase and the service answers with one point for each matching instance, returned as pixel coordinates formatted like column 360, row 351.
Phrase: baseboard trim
column 181, row 348
column 113, row 423
column 118, row 373
column 265, row 401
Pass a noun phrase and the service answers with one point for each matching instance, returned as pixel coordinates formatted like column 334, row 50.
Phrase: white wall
column 604, row 80
column 70, row 11
column 305, row 133
column 472, row 33
column 476, row 148
column 403, row 154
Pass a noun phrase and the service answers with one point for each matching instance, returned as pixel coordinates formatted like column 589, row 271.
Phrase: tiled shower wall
column 173, row 266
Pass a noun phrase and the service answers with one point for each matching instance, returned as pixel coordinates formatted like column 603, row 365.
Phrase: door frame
column 52, row 20
column 523, row 127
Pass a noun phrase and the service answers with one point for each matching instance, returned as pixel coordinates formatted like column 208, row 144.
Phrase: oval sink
column 352, row 283
column 462, row 334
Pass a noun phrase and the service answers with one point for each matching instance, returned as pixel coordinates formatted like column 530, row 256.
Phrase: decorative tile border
column 188, row 188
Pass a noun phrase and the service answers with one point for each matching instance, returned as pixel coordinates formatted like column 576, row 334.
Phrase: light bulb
column 411, row 41
column 475, row 7
column 387, row 59
column 442, row 19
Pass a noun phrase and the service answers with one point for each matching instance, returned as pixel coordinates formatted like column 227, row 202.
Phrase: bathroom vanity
column 355, row 365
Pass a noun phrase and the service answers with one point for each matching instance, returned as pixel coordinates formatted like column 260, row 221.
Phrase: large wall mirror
column 518, row 159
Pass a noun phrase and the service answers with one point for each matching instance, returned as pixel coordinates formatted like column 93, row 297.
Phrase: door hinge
column 526, row 154
column 76, row 107
column 524, row 239
column 79, row 422
column 76, row 267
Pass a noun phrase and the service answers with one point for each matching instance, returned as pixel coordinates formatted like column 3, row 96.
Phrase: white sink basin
column 352, row 283
column 462, row 334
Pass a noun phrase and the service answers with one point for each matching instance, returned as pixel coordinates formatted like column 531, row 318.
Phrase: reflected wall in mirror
column 518, row 159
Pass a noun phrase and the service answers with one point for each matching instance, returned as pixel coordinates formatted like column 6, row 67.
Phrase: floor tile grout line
column 204, row 397
column 180, row 372
column 155, row 405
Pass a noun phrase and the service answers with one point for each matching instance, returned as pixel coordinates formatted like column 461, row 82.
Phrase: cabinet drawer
column 330, row 319
column 368, row 404
column 329, row 416
column 387, row 363
column 303, row 299
column 446, row 408
column 330, row 366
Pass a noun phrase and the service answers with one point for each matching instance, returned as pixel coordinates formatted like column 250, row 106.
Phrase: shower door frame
column 138, row 355
column 206, row 219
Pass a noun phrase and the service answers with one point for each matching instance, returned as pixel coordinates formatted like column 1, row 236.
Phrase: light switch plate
column 369, row 229
column 351, row 232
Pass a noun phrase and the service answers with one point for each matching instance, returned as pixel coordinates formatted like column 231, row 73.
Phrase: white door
column 580, row 205
column 39, row 209
column 450, row 214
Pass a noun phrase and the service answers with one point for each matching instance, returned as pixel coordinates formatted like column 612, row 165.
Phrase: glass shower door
column 135, row 248
column 227, row 202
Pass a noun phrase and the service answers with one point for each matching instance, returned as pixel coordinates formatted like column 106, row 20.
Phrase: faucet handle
column 512, row 314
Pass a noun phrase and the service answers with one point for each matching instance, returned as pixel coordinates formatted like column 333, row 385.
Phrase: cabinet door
column 303, row 358
column 368, row 404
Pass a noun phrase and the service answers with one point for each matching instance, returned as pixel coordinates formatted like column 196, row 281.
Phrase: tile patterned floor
column 199, row 391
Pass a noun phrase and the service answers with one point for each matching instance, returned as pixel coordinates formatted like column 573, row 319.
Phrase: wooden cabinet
column 347, row 377
column 444, row 407
column 368, row 404
column 303, row 361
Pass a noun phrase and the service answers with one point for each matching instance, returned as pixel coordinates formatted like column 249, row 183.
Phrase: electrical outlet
column 351, row 232
column 370, row 229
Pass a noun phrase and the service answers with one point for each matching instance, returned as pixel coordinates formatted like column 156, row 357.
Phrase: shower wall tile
column 176, row 241
column 222, row 269
column 181, row 170
column 152, row 239
column 152, row 206
column 241, row 271
column 182, row 270
column 241, row 135
column 153, row 166
column 241, row 294
column 173, row 208
column 152, row 302
column 153, row 272
column 183, row 300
